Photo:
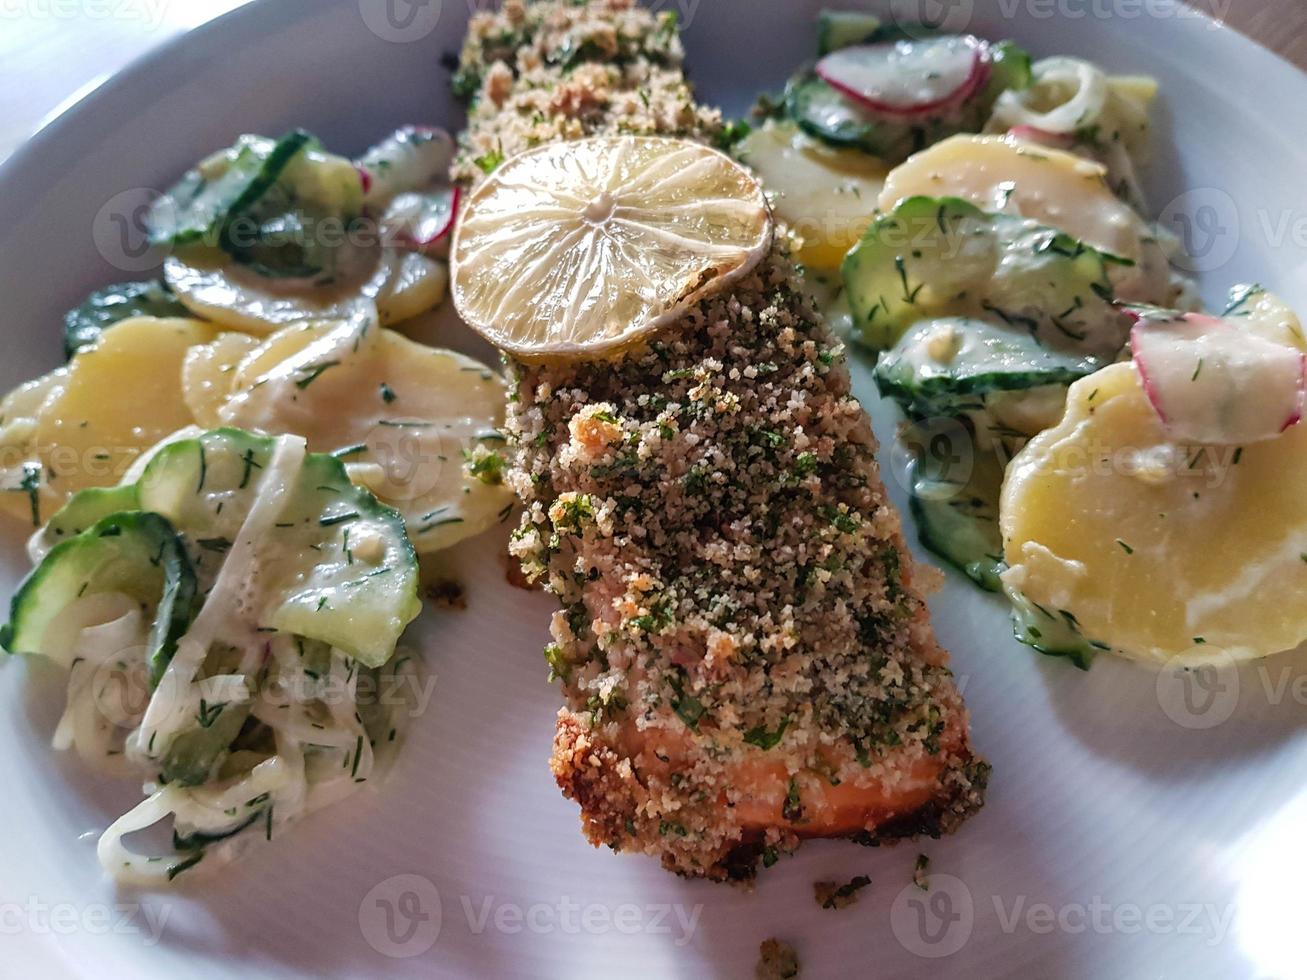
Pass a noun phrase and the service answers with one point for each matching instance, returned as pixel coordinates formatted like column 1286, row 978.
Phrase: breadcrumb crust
column 742, row 632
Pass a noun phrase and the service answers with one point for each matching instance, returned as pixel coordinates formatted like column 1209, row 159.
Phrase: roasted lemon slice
column 580, row 248
column 1155, row 548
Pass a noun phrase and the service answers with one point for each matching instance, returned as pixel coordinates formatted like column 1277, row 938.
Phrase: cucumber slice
column 841, row 28
column 105, row 307
column 827, row 114
column 831, row 116
column 1053, row 632
column 940, row 367
column 936, row 257
column 135, row 553
column 959, row 521
column 198, row 206
column 193, row 754
column 83, row 510
column 337, row 567
column 295, row 228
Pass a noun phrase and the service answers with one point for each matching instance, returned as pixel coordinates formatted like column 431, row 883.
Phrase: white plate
column 1125, row 834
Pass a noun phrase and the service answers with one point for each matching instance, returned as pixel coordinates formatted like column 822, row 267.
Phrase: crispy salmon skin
column 743, row 645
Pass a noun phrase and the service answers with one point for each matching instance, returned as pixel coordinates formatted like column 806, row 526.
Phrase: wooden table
column 1280, row 25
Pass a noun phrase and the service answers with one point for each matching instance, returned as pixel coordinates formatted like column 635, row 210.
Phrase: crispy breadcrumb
column 744, row 644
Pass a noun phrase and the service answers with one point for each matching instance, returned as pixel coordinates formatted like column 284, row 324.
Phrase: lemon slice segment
column 585, row 247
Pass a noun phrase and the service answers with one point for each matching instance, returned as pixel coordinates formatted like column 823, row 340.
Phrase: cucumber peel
column 135, row 553
column 936, row 257
column 976, row 357
column 105, row 307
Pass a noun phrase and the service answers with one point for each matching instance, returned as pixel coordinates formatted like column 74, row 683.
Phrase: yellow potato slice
column 401, row 284
column 23, row 494
column 826, row 196
column 1157, row 549
column 208, row 373
column 414, row 424
column 1065, row 191
column 113, row 400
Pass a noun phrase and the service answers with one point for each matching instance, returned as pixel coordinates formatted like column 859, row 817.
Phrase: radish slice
column 1032, row 134
column 418, row 222
column 909, row 78
column 410, row 159
column 1212, row 382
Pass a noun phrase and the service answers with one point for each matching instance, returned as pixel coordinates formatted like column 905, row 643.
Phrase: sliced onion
column 1078, row 87
column 909, row 78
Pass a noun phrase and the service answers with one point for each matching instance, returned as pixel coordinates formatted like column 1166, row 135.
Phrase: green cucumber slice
column 135, row 553
column 959, row 521
column 338, row 565
column 1053, row 632
column 197, row 207
column 940, row 367
column 193, row 754
column 842, row 28
column 937, row 257
column 112, row 304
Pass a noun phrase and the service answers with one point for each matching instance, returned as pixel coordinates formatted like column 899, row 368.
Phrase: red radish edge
column 1296, row 417
column 980, row 68
column 1037, row 135
column 1150, row 390
column 365, row 178
column 408, row 241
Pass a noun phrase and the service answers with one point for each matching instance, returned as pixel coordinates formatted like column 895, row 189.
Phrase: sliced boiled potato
column 208, row 373
column 82, row 425
column 23, row 494
column 1158, row 549
column 1053, row 187
column 122, row 396
column 825, row 195
column 416, row 425
column 401, row 284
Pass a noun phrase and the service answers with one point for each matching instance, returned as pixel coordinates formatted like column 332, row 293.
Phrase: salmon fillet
column 743, row 642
